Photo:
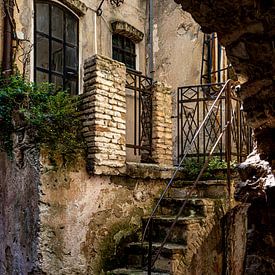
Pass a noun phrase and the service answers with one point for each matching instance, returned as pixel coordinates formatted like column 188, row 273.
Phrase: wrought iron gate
column 139, row 113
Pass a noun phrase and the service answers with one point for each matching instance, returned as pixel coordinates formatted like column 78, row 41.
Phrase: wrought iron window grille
column 116, row 3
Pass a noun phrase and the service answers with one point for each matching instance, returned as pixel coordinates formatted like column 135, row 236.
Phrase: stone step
column 193, row 207
column 137, row 254
column 183, row 230
column 214, row 189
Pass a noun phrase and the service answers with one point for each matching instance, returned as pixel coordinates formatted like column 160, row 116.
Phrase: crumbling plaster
column 19, row 215
column 79, row 211
column 177, row 45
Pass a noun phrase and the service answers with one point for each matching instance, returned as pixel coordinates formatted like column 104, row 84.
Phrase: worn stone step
column 215, row 189
column 183, row 230
column 193, row 207
column 126, row 271
column 137, row 254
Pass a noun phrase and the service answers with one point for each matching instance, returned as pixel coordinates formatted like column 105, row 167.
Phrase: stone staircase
column 203, row 209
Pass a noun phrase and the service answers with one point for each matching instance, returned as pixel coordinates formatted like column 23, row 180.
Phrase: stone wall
column 104, row 114
column 222, row 248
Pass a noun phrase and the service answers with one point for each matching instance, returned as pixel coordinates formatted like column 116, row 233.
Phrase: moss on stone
column 112, row 253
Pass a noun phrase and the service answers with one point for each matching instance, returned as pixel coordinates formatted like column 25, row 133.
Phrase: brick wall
column 162, row 124
column 104, row 117
column 104, row 114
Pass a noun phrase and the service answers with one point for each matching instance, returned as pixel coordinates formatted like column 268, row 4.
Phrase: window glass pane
column 115, row 40
column 58, row 82
column 71, row 29
column 71, row 86
column 42, row 18
column 118, row 40
column 71, row 58
column 41, row 77
column 130, row 61
column 42, row 52
column 57, row 22
column 129, row 46
column 57, row 57
column 118, row 55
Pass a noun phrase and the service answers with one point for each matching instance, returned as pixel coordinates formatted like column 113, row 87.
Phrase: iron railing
column 139, row 113
column 225, row 131
column 193, row 105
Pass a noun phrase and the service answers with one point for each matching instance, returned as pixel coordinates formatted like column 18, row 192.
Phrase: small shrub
column 52, row 114
column 193, row 166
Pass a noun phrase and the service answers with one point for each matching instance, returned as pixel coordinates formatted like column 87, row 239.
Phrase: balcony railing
column 193, row 105
column 139, row 114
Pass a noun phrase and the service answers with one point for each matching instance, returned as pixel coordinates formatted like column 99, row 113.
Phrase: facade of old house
column 126, row 60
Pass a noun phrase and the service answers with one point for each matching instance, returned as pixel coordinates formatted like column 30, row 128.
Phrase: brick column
column 162, row 125
column 104, row 114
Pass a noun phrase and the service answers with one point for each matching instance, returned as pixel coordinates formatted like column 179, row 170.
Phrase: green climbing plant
column 53, row 115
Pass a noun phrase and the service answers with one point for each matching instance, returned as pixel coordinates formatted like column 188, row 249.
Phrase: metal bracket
column 99, row 9
column 116, row 3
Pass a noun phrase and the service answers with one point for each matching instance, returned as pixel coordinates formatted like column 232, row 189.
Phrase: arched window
column 56, row 46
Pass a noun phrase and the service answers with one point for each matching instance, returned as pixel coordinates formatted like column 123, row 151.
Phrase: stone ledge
column 150, row 171
column 156, row 171
column 127, row 30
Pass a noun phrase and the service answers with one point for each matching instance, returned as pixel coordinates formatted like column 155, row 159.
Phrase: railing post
column 228, row 141
column 228, row 144
column 150, row 242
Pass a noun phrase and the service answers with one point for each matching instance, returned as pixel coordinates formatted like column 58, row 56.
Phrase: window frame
column 67, row 74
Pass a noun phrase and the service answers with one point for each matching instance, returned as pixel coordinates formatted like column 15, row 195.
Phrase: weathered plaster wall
column 1, row 33
column 91, row 40
column 223, row 250
column 177, row 45
column 83, row 216
column 19, row 213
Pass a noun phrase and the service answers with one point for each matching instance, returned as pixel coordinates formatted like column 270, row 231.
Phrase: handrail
column 189, row 193
column 228, row 123
column 183, row 158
